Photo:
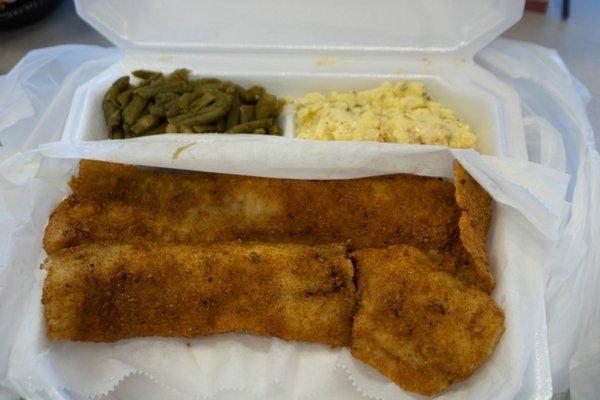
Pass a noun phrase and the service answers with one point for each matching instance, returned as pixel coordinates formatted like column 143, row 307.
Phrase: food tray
column 490, row 109
column 269, row 50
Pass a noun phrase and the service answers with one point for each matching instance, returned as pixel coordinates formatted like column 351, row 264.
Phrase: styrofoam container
column 292, row 48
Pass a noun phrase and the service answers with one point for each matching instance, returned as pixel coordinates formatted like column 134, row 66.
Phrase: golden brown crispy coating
column 105, row 293
column 117, row 203
column 422, row 328
column 476, row 215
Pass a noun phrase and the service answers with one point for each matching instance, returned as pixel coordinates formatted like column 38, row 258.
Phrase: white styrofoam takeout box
column 293, row 48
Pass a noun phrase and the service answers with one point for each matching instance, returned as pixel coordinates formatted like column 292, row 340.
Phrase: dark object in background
column 542, row 6
column 566, row 9
column 537, row 5
column 22, row 12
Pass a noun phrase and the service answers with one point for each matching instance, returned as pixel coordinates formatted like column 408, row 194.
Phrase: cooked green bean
column 171, row 108
column 252, row 94
column 221, row 125
column 116, row 88
column 146, row 109
column 207, row 80
column 117, row 134
column 160, row 87
column 233, row 116
column 157, row 109
column 127, row 134
column 115, row 120
column 186, row 99
column 274, row 130
column 108, row 108
column 125, row 97
column 243, row 93
column 134, row 109
column 145, row 123
column 250, row 127
column 171, row 128
column 266, row 106
column 246, row 113
column 147, row 75
column 160, row 129
column 164, row 98
column 204, row 128
column 180, row 74
column 221, row 86
column 174, row 103
column 206, row 99
column 186, row 129
column 206, row 115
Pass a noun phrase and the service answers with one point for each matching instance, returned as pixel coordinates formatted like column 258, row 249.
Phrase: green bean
column 172, row 108
column 124, row 97
column 222, row 86
column 160, row 87
column 250, row 127
column 221, row 125
column 116, row 134
column 274, row 130
column 186, row 99
column 145, row 123
column 173, row 103
column 180, row 74
column 243, row 93
column 158, row 110
column 207, row 80
column 115, row 120
column 266, row 106
column 116, row 88
column 133, row 110
column 251, row 95
column 108, row 108
column 204, row 128
column 146, row 109
column 163, row 98
column 147, row 75
column 246, row 113
column 233, row 116
column 206, row 99
column 160, row 129
column 171, row 128
column 113, row 134
column 205, row 116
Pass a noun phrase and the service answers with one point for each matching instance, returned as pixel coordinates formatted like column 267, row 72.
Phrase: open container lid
column 457, row 29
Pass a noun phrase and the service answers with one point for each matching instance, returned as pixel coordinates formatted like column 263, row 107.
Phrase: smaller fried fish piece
column 474, row 223
column 422, row 328
column 105, row 293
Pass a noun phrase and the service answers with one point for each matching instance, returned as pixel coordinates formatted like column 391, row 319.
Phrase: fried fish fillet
column 474, row 223
column 118, row 203
column 421, row 327
column 105, row 293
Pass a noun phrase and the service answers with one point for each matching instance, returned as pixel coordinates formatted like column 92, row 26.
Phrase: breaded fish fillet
column 422, row 328
column 474, row 223
column 118, row 203
column 105, row 293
